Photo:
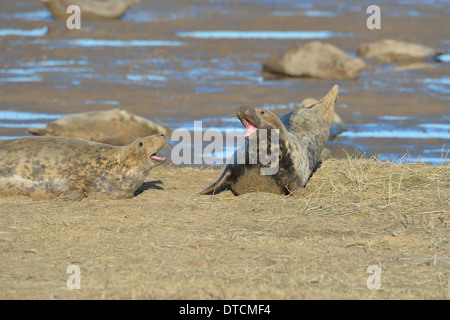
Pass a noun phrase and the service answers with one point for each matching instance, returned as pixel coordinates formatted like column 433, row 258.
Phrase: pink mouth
column 251, row 128
column 156, row 158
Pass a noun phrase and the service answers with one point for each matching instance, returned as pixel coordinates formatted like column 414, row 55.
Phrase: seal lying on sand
column 90, row 9
column 69, row 169
column 394, row 51
column 302, row 136
column 116, row 127
column 317, row 60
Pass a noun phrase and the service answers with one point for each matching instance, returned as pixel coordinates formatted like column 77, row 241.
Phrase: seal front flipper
column 74, row 191
column 296, row 189
column 222, row 181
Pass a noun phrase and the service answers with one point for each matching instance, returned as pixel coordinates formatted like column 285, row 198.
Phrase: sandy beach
column 171, row 243
column 167, row 61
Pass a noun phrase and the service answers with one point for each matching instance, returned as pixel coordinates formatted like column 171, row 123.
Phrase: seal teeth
column 157, row 158
column 251, row 127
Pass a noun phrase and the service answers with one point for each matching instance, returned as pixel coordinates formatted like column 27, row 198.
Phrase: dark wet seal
column 303, row 134
column 91, row 9
column 316, row 60
column 70, row 169
column 116, row 127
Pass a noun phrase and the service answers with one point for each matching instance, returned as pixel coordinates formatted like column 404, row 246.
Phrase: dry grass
column 171, row 243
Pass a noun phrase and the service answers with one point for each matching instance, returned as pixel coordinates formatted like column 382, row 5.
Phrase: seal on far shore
column 69, row 169
column 91, row 9
column 395, row 51
column 303, row 134
column 116, row 127
column 317, row 60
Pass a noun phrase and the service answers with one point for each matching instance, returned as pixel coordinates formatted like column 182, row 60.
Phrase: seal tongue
column 155, row 157
column 251, row 128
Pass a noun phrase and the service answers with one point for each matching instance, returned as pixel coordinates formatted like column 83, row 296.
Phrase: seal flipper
column 295, row 188
column 326, row 104
column 73, row 191
column 38, row 131
column 222, row 181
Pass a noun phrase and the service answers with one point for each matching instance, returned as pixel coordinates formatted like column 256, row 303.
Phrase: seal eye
column 264, row 113
column 140, row 144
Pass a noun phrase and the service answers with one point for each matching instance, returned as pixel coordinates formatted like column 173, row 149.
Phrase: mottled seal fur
column 90, row 9
column 337, row 125
column 116, row 127
column 303, row 134
column 395, row 51
column 69, row 169
column 317, row 60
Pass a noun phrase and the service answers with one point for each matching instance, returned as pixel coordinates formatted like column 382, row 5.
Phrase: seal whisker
column 229, row 119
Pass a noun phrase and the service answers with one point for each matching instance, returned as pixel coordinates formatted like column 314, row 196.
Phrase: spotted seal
column 69, row 169
column 395, row 51
column 303, row 134
column 315, row 59
column 91, row 9
column 115, row 126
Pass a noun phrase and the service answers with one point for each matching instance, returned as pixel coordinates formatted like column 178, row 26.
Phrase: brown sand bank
column 171, row 243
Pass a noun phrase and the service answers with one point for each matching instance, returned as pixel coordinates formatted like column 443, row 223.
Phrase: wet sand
column 153, row 63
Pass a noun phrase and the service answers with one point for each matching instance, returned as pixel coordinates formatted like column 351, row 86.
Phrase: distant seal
column 316, row 60
column 69, row 169
column 303, row 134
column 116, row 127
column 395, row 51
column 90, row 9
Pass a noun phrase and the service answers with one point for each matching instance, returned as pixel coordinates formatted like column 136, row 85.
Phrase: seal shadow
column 151, row 185
column 316, row 167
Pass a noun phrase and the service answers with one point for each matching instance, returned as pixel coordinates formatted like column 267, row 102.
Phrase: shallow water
column 228, row 34
column 202, row 62
column 23, row 33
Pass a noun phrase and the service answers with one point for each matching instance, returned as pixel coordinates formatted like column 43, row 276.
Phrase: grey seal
column 116, row 127
column 303, row 134
column 316, row 60
column 70, row 169
column 90, row 9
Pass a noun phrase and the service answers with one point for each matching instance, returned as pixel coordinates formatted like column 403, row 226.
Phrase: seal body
column 90, row 9
column 67, row 168
column 116, row 127
column 394, row 51
column 337, row 125
column 317, row 60
column 302, row 135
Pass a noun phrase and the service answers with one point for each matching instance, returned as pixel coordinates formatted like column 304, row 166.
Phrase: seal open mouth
column 157, row 158
column 251, row 127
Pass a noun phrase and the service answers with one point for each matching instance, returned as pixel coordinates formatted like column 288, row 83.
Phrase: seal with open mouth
column 70, row 169
column 303, row 134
